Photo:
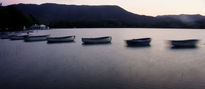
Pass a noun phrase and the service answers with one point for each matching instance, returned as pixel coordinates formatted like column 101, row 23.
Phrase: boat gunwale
column 38, row 36
column 140, row 40
column 185, row 41
column 61, row 37
column 97, row 38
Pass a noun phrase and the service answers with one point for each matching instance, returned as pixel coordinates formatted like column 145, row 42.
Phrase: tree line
column 14, row 19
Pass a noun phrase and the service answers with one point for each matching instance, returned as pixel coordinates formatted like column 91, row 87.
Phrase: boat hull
column 98, row 40
column 60, row 39
column 184, row 43
column 6, row 36
column 36, row 38
column 139, row 42
column 18, row 37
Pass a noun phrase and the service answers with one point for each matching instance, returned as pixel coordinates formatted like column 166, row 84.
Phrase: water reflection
column 84, row 44
column 178, row 48
column 60, row 42
column 138, row 46
column 34, row 41
column 38, row 65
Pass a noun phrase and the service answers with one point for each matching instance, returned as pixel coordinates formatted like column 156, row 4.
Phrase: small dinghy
column 60, row 39
column 139, row 42
column 4, row 36
column 184, row 43
column 98, row 40
column 7, row 35
column 36, row 38
column 18, row 37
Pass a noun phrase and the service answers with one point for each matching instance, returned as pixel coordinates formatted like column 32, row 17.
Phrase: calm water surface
column 38, row 65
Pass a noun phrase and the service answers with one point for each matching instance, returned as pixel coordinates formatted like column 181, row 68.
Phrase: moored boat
column 4, row 36
column 184, row 43
column 18, row 37
column 139, row 42
column 7, row 35
column 37, row 38
column 60, row 39
column 97, row 40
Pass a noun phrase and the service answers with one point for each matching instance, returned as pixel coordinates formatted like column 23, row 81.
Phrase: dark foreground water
column 38, row 65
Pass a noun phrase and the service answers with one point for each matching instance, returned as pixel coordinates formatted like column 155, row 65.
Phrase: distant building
column 24, row 27
column 39, row 27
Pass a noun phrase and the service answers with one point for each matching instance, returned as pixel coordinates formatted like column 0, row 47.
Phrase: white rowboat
column 184, row 43
column 36, row 38
column 60, row 39
column 98, row 40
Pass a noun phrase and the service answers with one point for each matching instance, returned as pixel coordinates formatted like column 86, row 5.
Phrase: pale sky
column 143, row 7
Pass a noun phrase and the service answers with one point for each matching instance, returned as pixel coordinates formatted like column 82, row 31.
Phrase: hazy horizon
column 142, row 7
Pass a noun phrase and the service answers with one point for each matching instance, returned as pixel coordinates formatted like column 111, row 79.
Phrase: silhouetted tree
column 14, row 19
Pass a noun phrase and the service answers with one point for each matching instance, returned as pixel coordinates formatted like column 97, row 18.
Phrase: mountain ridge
column 103, row 9
column 89, row 16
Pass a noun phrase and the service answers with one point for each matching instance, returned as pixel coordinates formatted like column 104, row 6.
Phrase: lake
column 38, row 65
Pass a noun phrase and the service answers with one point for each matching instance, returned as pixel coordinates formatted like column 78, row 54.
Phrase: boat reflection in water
column 138, row 46
column 180, row 48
